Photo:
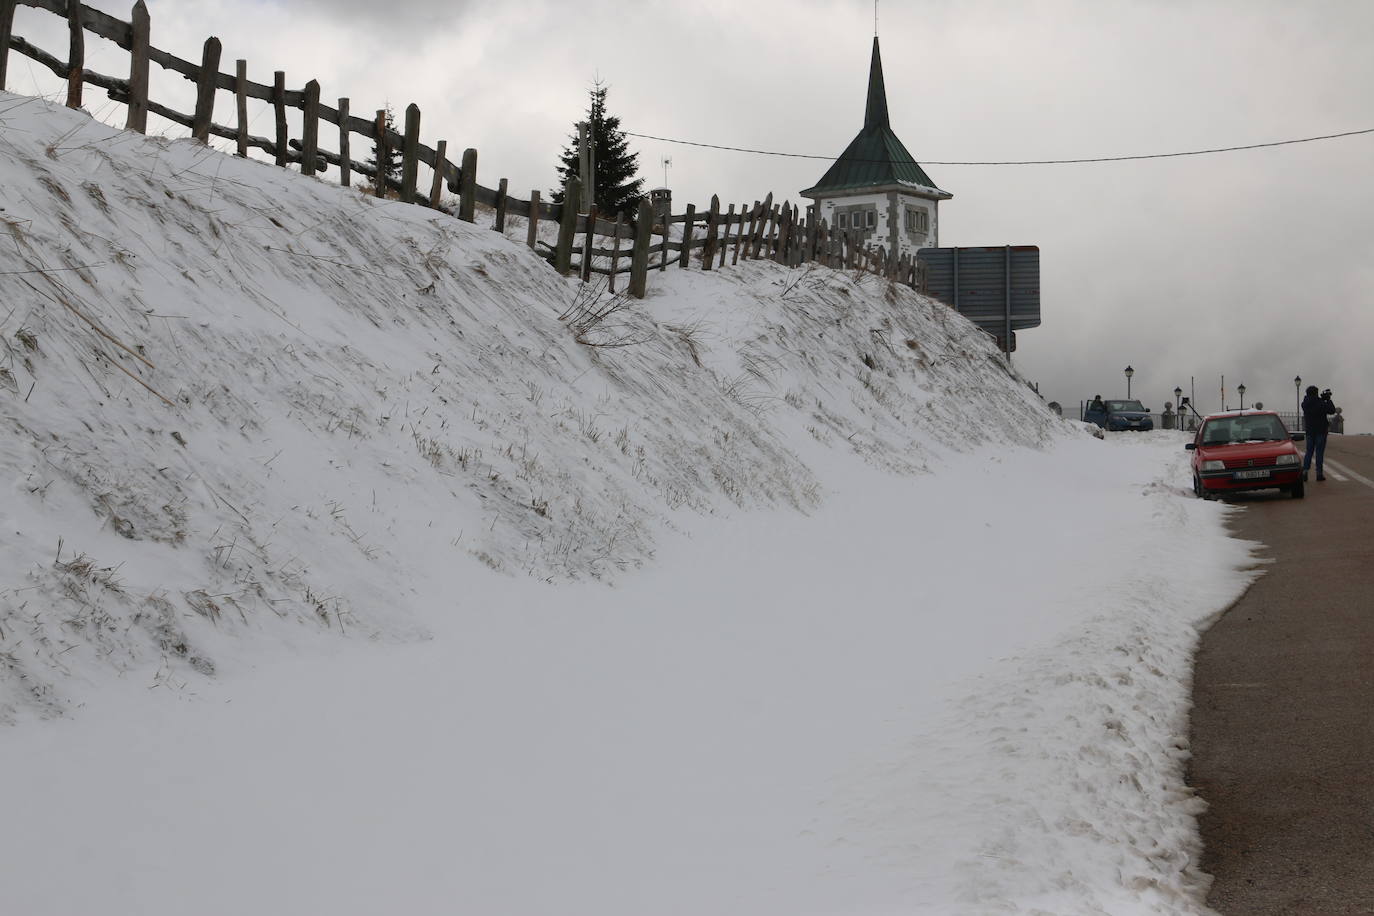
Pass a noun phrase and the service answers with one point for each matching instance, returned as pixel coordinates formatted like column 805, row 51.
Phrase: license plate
column 1251, row 475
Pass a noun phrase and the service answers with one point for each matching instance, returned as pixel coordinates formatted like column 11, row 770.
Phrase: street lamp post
column 1297, row 400
column 1129, row 372
column 1178, row 406
column 1240, row 390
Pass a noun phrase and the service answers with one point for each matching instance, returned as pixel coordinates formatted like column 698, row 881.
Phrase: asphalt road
column 1283, row 717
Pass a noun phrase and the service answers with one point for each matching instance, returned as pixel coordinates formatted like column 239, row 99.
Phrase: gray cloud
column 388, row 17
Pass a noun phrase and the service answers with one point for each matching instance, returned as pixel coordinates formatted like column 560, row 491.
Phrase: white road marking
column 1349, row 473
column 1338, row 476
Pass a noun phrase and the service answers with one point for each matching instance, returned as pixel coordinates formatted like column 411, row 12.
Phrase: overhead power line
column 1196, row 152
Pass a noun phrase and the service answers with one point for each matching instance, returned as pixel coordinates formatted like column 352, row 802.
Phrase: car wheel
column 1297, row 490
column 1198, row 491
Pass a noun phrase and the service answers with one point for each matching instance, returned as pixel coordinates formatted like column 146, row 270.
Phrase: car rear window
column 1243, row 429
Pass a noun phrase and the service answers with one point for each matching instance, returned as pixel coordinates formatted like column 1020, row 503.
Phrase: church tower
column 876, row 188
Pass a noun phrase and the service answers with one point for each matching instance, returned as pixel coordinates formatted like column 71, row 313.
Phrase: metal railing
column 1187, row 422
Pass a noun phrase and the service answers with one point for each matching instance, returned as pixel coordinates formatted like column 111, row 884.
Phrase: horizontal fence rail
column 709, row 240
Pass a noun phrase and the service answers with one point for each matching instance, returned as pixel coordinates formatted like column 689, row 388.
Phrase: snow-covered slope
column 365, row 553
column 238, row 393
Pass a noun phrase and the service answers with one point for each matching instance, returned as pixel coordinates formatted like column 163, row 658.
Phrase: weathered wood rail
column 709, row 240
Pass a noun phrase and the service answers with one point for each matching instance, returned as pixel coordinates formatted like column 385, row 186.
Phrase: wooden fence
column 709, row 239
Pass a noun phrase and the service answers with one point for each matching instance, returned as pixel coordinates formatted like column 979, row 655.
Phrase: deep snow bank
column 237, row 400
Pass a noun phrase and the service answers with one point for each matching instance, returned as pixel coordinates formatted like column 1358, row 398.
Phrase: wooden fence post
column 310, row 128
column 739, row 232
column 383, row 148
column 279, row 103
column 793, row 228
column 725, row 235
column 762, row 233
column 753, row 224
column 6, row 31
column 345, row 157
column 137, row 118
column 708, row 251
column 797, row 235
column 206, row 80
column 667, row 225
column 501, row 201
column 410, row 151
column 567, row 226
column 532, row 231
column 784, row 233
column 639, row 260
column 436, row 187
column 615, row 253
column 241, row 108
column 588, row 241
column 687, row 228
column 467, row 187
column 76, row 55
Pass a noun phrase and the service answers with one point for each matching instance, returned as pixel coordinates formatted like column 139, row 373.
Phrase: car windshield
column 1124, row 405
column 1225, row 430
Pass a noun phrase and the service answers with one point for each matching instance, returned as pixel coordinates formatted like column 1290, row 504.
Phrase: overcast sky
column 1255, row 265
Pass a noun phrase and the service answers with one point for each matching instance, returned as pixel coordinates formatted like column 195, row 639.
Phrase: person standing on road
column 1315, row 410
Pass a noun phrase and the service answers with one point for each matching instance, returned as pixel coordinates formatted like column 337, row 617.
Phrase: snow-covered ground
column 340, row 574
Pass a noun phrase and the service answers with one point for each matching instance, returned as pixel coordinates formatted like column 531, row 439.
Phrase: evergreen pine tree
column 389, row 156
column 615, row 166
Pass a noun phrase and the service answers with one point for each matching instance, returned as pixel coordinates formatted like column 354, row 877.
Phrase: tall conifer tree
column 389, row 156
column 616, row 188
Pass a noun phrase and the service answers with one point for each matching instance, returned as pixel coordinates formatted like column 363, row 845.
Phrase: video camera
column 1326, row 393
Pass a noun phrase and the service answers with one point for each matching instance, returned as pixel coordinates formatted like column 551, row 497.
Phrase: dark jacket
column 1315, row 410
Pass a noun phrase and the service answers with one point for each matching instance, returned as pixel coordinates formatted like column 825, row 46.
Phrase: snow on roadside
column 880, row 633
column 1057, row 779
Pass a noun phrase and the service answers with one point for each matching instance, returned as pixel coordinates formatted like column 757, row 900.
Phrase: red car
column 1245, row 450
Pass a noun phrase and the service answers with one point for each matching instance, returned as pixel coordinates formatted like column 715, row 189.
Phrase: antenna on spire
column 875, row 18
column 666, row 162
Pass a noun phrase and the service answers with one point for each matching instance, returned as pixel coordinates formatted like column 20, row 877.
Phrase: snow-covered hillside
column 777, row 591
column 265, row 394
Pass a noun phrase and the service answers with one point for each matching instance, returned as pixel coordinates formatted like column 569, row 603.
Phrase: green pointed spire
column 876, row 114
column 875, row 158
